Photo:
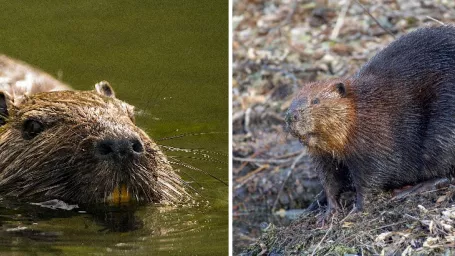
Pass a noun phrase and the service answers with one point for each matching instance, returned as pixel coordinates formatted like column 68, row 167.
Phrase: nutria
column 389, row 125
column 77, row 146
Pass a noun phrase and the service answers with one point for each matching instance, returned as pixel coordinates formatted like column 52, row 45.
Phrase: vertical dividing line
column 230, row 229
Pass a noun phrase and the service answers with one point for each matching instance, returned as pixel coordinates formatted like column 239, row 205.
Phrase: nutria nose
column 292, row 116
column 119, row 148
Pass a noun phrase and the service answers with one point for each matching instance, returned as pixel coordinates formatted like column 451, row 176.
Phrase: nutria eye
column 315, row 101
column 31, row 129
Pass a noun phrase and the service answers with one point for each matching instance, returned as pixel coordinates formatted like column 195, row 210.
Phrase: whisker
column 197, row 169
column 193, row 180
column 188, row 134
column 192, row 150
column 214, row 160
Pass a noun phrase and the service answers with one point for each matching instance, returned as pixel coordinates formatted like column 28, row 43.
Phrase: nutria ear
column 341, row 88
column 4, row 102
column 104, row 88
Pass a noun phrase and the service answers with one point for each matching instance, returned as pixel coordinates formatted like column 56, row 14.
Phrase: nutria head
column 80, row 146
column 321, row 115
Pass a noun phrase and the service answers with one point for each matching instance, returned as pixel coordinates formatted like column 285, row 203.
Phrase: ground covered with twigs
column 279, row 45
column 423, row 224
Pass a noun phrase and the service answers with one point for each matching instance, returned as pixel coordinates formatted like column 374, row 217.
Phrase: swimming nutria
column 78, row 146
column 391, row 124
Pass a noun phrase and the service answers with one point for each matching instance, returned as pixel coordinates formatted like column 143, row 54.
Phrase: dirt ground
column 278, row 46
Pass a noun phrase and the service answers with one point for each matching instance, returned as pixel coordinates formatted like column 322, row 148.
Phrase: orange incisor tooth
column 120, row 195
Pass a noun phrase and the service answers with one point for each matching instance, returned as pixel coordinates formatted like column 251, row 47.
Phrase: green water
column 168, row 58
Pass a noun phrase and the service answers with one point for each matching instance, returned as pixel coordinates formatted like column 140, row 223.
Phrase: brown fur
column 389, row 125
column 328, row 124
column 63, row 161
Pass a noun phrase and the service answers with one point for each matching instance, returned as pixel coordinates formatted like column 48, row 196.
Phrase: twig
column 296, row 153
column 438, row 21
column 375, row 20
column 244, row 163
column 262, row 161
column 264, row 249
column 412, row 217
column 242, row 180
column 303, row 153
column 347, row 216
column 323, row 238
column 340, row 20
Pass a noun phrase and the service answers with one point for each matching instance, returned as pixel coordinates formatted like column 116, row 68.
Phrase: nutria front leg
column 333, row 208
column 335, row 179
column 321, row 200
column 333, row 204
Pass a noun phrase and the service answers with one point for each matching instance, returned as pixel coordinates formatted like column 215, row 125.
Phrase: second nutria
column 391, row 124
column 78, row 146
column 18, row 79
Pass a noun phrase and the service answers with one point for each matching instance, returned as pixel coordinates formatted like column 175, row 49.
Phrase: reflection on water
column 169, row 58
column 141, row 230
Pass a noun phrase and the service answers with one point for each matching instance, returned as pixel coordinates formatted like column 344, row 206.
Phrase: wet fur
column 60, row 162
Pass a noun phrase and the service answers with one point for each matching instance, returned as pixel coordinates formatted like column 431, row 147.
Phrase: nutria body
column 78, row 146
column 18, row 79
column 391, row 124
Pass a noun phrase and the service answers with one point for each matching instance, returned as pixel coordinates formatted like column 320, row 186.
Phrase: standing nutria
column 78, row 146
column 391, row 124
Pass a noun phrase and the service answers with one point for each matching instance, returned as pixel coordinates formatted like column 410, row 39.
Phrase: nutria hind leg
column 428, row 185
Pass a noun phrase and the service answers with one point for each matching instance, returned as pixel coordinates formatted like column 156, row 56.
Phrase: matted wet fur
column 80, row 146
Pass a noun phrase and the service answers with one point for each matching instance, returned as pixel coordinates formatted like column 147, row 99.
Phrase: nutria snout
column 118, row 149
column 313, row 119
